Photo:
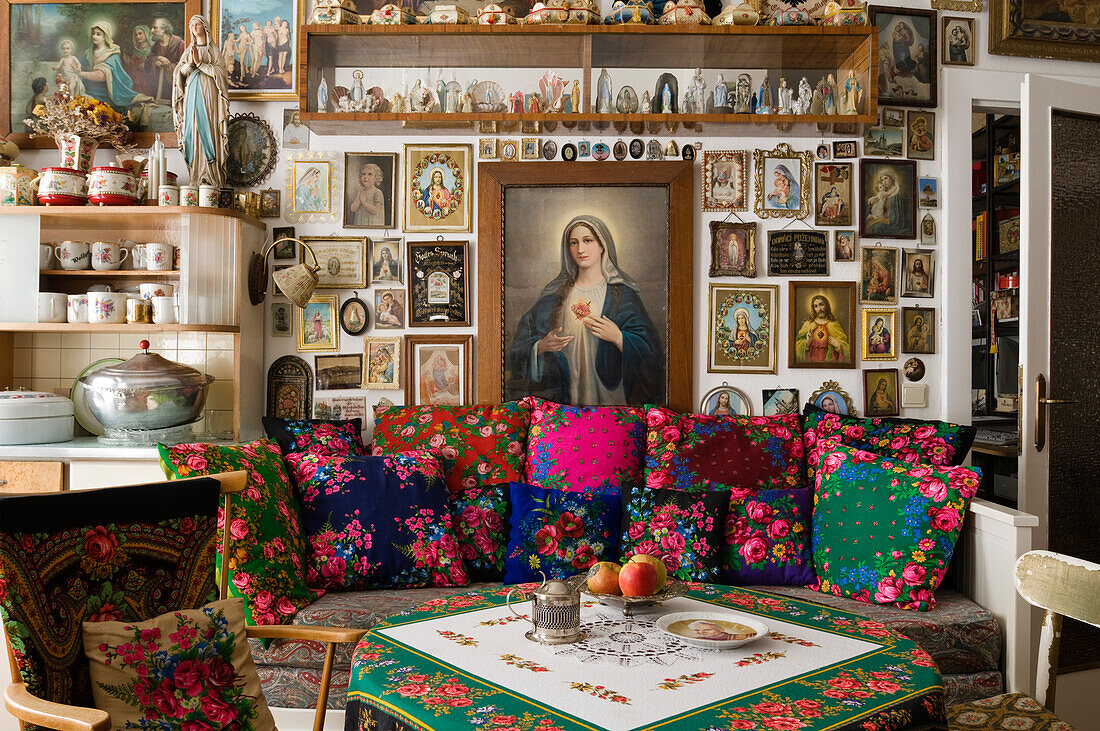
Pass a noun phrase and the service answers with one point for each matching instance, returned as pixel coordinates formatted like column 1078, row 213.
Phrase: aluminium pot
column 146, row 392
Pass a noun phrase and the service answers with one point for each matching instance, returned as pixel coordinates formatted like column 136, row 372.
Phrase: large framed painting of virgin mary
column 585, row 282
column 437, row 188
column 134, row 44
column 1044, row 29
column 907, row 56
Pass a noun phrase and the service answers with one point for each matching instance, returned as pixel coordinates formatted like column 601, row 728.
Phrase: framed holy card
column 585, row 279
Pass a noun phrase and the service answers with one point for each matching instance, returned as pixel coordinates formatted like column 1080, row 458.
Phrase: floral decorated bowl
column 62, row 187
column 391, row 14
column 448, row 15
column 549, row 12
column 111, row 186
column 493, row 14
column 629, row 604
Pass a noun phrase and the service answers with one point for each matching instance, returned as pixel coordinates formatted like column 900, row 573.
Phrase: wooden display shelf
column 114, row 274
column 132, row 213
column 133, row 327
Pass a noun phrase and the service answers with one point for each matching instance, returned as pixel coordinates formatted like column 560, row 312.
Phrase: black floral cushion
column 683, row 529
column 316, row 436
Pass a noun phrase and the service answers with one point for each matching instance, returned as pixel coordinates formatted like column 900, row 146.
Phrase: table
column 462, row 662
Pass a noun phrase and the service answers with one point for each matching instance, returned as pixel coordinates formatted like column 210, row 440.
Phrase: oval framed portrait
column 354, row 315
column 834, row 399
column 726, row 401
column 252, row 150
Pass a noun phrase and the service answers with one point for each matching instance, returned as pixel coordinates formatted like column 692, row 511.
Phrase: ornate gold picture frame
column 782, row 180
column 1017, row 29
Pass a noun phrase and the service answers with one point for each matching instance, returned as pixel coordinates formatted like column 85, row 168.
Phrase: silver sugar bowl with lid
column 555, row 612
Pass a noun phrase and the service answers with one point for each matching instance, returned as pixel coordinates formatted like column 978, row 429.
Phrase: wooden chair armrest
column 320, row 633
column 31, row 709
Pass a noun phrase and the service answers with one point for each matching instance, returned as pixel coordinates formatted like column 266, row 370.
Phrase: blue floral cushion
column 559, row 533
column 377, row 522
column 768, row 537
column 481, row 526
column 683, row 529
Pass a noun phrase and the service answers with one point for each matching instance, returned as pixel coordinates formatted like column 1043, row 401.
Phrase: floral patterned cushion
column 377, row 522
column 584, row 448
column 691, row 451
column 559, row 533
column 316, row 435
column 910, row 440
column 884, row 530
column 768, row 537
column 185, row 670
column 480, row 516
column 267, row 547
column 478, row 445
column 683, row 529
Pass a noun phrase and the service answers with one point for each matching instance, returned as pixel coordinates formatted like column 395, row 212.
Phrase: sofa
column 965, row 639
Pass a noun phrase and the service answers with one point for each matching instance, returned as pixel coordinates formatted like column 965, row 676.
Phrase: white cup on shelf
column 106, row 308
column 45, row 256
column 159, row 257
column 78, row 308
column 108, row 255
column 164, row 310
column 73, row 255
column 52, row 306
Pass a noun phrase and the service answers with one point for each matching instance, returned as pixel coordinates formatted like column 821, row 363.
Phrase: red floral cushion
column 478, row 445
column 696, row 452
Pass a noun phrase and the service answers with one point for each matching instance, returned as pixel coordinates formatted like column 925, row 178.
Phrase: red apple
column 638, row 578
column 605, row 579
column 658, row 566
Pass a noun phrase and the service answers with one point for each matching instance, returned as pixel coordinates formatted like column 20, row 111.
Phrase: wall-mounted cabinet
column 515, row 56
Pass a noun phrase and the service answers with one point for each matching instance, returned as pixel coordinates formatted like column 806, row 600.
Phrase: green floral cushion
column 884, row 530
column 267, row 547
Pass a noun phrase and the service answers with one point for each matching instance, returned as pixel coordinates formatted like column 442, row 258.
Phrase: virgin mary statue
column 200, row 106
column 588, row 338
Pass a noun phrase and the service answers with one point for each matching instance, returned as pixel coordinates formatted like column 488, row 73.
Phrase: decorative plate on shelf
column 712, row 630
column 629, row 604
column 79, row 395
column 252, row 150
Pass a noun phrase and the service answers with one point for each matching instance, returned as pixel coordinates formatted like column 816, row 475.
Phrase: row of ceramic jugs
column 154, row 302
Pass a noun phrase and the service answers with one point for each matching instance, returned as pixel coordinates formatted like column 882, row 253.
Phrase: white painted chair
column 1065, row 587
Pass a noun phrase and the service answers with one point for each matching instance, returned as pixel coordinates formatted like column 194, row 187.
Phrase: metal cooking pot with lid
column 146, row 392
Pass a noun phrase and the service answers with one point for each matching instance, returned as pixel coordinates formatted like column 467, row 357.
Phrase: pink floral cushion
column 696, row 452
column 584, row 448
column 478, row 445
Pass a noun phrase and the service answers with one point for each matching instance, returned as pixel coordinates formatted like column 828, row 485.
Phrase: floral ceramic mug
column 108, row 255
column 73, row 255
column 159, row 257
column 106, row 307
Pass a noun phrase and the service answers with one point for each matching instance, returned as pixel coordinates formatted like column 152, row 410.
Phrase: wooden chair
column 33, row 710
column 1065, row 587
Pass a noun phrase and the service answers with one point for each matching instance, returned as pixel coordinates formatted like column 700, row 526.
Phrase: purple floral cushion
column 584, row 448
column 377, row 522
column 316, row 436
column 481, row 526
column 683, row 529
column 884, row 530
column 559, row 533
column 768, row 537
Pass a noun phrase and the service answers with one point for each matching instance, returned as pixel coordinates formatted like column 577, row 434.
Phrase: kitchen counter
column 78, row 448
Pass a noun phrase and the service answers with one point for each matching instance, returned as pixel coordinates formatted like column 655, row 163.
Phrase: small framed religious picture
column 270, row 203
column 387, row 261
column 726, row 401
column 833, row 193
column 282, row 319
column 317, row 324
column 488, row 149
column 341, row 258
column 957, row 34
column 920, row 135
column 780, row 401
column 370, row 189
column 888, row 199
column 439, row 370
column 743, row 329
column 878, row 332
column 832, row 398
column 893, row 117
column 530, row 149
column 313, row 181
column 354, row 315
column 929, row 192
column 918, row 272
column 382, row 362
column 919, row 327
column 844, row 245
column 335, row 372
column 796, row 252
column 437, row 284
column 389, row 309
column 910, row 36
column 295, row 134
column 283, row 250
column 822, row 324
column 822, row 152
column 845, row 149
column 880, row 392
column 437, row 188
column 725, row 181
column 884, row 141
column 732, row 249
column 878, row 275
column 782, row 180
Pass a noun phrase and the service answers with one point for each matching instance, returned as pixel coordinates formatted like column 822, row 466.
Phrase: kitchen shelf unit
column 215, row 247
column 791, row 51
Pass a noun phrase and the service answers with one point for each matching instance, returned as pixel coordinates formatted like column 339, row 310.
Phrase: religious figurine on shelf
column 742, row 103
column 575, row 96
column 666, row 100
column 603, row 93
column 552, row 89
column 852, row 96
column 764, row 102
column 817, row 103
column 399, row 104
column 535, row 104
column 322, row 95
column 829, row 95
column 517, row 102
column 786, row 97
column 357, row 93
column 466, row 103
column 421, row 98
column 647, row 104
column 696, row 94
column 200, row 106
column 805, row 97
column 721, row 93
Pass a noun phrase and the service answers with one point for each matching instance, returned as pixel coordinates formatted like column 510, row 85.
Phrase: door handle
column 1041, row 402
